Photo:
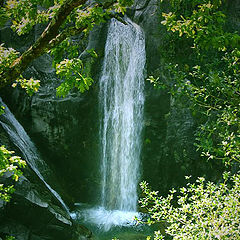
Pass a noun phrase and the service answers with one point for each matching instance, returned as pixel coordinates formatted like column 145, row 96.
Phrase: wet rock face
column 147, row 15
column 169, row 126
column 60, row 128
column 168, row 151
column 233, row 11
column 25, row 226
column 33, row 213
column 65, row 131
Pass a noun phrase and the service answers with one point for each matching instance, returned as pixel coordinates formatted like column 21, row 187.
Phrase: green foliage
column 25, row 14
column 90, row 17
column 9, row 164
column 92, row 53
column 72, row 72
column 2, row 110
column 66, row 48
column 7, row 57
column 185, row 7
column 10, row 238
column 30, row 85
column 126, row 3
column 210, row 79
column 214, row 92
column 205, row 26
column 201, row 210
column 71, row 69
column 3, row 17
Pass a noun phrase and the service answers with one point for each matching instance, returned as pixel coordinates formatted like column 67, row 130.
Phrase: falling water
column 20, row 138
column 121, row 105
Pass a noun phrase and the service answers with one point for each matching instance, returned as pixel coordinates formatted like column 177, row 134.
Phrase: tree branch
column 49, row 39
column 71, row 31
column 42, row 44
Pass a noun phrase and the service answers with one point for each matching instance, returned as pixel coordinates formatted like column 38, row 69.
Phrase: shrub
column 202, row 210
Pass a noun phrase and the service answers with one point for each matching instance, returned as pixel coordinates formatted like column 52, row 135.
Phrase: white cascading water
column 20, row 138
column 121, row 100
column 121, row 106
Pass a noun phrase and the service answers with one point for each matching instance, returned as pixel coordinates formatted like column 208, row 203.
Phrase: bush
column 202, row 210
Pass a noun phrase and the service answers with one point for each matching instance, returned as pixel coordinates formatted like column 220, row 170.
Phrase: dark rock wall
column 169, row 128
column 168, row 151
column 65, row 131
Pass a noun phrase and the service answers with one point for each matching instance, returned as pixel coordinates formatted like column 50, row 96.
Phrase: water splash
column 106, row 219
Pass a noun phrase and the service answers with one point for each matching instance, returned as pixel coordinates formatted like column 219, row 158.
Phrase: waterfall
column 23, row 142
column 121, row 100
